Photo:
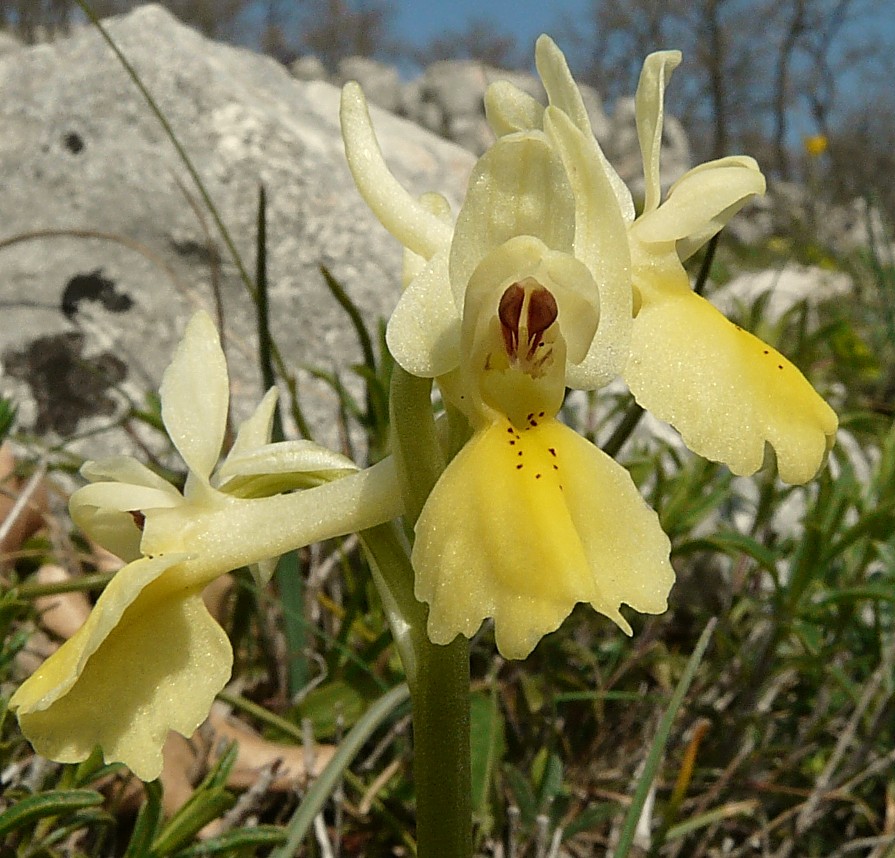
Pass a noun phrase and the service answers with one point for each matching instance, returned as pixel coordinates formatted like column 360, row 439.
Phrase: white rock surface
column 88, row 323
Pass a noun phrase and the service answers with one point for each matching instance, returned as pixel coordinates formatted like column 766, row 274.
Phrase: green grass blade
column 323, row 787
column 658, row 747
column 54, row 803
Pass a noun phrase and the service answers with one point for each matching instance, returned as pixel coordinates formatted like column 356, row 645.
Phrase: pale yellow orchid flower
column 150, row 657
column 729, row 394
column 530, row 291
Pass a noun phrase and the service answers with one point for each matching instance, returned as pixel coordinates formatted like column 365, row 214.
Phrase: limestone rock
column 782, row 289
column 381, row 83
column 109, row 249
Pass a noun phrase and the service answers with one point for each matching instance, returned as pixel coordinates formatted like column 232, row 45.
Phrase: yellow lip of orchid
column 529, row 518
column 150, row 657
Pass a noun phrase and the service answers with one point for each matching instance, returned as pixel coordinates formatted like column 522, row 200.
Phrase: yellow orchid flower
column 150, row 657
column 729, row 394
column 528, row 292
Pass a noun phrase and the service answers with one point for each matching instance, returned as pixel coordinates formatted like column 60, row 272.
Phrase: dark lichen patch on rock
column 66, row 385
column 73, row 142
column 94, row 287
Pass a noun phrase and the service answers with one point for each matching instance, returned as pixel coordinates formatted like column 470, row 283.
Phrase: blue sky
column 421, row 20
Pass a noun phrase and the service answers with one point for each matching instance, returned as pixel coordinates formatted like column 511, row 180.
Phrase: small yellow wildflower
column 816, row 145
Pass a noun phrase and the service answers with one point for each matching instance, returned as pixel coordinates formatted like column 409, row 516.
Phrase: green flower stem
column 415, row 446
column 441, row 750
column 438, row 676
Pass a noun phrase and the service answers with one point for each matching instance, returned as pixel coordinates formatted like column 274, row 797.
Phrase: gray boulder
column 382, row 84
column 783, row 289
column 109, row 249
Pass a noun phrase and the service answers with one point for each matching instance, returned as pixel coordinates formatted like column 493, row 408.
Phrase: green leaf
column 487, row 745
column 232, row 842
column 730, row 543
column 208, row 802
column 522, row 793
column 322, row 788
column 147, row 825
column 327, row 702
column 54, row 803
column 550, row 783
column 651, row 768
column 7, row 416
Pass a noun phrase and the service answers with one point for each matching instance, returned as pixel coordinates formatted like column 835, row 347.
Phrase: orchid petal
column 727, row 393
column 523, row 525
column 649, row 111
column 601, row 243
column 564, row 95
column 403, row 216
column 562, row 91
column 282, row 466
column 256, row 431
column 414, row 263
column 701, row 202
column 149, row 659
column 423, row 333
column 509, row 109
column 195, row 393
column 104, row 511
column 125, row 469
column 518, row 187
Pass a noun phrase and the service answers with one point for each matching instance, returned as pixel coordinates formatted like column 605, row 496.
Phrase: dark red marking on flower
column 541, row 312
column 509, row 311
column 552, row 451
column 519, row 467
column 138, row 517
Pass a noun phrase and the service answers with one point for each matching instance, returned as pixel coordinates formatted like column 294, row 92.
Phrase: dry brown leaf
column 30, row 517
column 255, row 753
column 62, row 614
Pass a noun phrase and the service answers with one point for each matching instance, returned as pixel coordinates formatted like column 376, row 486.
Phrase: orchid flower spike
column 150, row 657
column 528, row 292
